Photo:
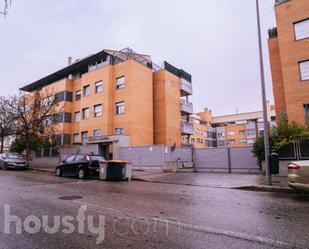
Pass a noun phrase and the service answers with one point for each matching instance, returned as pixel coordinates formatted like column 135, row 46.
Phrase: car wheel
column 81, row 174
column 58, row 172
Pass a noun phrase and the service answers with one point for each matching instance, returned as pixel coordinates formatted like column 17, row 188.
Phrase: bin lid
column 114, row 161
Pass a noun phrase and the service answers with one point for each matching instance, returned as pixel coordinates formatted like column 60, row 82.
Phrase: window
column 78, row 95
column 84, row 135
column 79, row 157
column 87, row 90
column 242, row 132
column 97, row 133
column 85, row 113
column 221, row 143
column 76, row 138
column 120, row 107
column 301, row 29
column 98, row 86
column 77, row 116
column 231, row 141
column 251, row 132
column 242, row 141
column 306, row 108
column 231, row 133
column 97, row 110
column 70, row 159
column 120, row 82
column 47, row 101
column 192, row 140
column 221, row 134
column 119, row 131
column 304, row 70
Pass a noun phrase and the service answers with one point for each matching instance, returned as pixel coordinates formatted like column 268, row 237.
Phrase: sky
column 215, row 41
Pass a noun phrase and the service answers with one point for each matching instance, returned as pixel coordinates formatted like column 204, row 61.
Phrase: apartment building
column 119, row 98
column 289, row 57
column 235, row 130
column 204, row 135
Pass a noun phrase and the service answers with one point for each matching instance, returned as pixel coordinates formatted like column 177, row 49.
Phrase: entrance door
column 104, row 151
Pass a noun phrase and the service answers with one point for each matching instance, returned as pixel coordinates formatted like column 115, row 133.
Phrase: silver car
column 12, row 160
column 298, row 176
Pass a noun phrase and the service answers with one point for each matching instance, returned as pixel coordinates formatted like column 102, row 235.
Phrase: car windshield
column 13, row 156
column 97, row 158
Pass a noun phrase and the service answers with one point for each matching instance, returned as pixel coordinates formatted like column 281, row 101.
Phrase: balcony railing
column 186, row 107
column 185, row 87
column 187, row 128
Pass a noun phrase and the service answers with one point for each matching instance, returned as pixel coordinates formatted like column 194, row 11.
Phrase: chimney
column 69, row 61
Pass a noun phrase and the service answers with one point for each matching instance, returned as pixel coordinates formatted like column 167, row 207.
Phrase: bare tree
column 35, row 115
column 7, row 120
column 6, row 4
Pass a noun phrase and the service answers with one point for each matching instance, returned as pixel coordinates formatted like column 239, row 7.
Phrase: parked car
column 80, row 165
column 13, row 160
column 298, row 176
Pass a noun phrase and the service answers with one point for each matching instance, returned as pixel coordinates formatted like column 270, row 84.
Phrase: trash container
column 274, row 163
column 115, row 170
column 127, row 174
column 103, row 170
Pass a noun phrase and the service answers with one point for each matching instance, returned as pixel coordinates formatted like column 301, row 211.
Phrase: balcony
column 186, row 108
column 185, row 87
column 187, row 128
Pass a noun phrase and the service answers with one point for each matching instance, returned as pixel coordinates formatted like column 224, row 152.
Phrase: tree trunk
column 2, row 143
column 27, row 151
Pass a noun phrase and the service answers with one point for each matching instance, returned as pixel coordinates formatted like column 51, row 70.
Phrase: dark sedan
column 80, row 165
column 13, row 160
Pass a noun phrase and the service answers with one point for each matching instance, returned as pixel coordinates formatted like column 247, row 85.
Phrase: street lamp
column 265, row 117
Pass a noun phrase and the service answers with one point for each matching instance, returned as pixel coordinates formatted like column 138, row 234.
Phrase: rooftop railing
column 278, row 2
column 273, row 33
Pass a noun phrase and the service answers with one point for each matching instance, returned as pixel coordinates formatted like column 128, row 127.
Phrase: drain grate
column 70, row 198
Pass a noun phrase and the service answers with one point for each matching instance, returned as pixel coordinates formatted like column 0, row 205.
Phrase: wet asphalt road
column 148, row 215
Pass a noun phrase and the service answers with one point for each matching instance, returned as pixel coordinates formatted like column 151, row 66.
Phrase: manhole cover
column 70, row 198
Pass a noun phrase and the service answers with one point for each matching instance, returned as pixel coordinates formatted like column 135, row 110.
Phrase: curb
column 264, row 188
column 41, row 170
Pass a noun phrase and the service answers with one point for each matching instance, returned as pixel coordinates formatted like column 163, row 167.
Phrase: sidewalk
column 248, row 182
column 49, row 169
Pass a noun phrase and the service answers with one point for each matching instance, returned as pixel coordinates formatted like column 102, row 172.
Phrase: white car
column 298, row 176
column 12, row 160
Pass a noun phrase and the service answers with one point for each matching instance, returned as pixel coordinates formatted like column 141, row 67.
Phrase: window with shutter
column 304, row 70
column 301, row 29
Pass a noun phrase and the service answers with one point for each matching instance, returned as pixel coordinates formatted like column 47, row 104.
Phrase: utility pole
column 265, row 116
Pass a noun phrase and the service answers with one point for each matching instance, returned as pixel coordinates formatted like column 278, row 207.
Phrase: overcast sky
column 215, row 41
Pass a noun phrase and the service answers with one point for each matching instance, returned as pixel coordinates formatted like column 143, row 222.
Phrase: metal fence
column 226, row 160
column 46, row 152
column 295, row 151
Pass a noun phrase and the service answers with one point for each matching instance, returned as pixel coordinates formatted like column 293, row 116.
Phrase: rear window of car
column 13, row 156
column 79, row 157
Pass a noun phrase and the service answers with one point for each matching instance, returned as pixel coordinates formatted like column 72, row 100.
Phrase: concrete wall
column 167, row 127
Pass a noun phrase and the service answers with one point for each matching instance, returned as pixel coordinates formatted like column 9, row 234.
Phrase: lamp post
column 265, row 117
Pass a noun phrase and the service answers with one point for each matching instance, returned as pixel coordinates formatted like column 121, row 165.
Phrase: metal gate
column 144, row 157
column 226, row 160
